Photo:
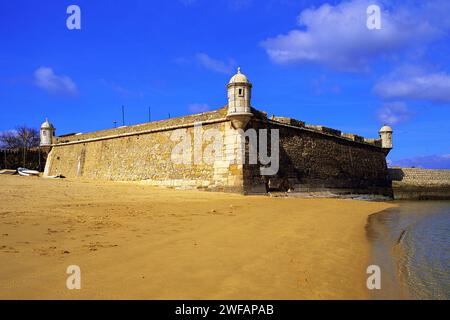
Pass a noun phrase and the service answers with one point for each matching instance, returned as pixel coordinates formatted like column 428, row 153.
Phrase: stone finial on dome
column 386, row 128
column 46, row 124
column 239, row 77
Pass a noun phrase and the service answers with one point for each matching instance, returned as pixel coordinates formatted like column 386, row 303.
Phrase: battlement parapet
column 161, row 125
column 353, row 137
column 323, row 129
column 375, row 142
column 326, row 130
column 290, row 121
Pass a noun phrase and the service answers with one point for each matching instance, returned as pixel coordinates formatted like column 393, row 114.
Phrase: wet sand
column 411, row 245
column 134, row 241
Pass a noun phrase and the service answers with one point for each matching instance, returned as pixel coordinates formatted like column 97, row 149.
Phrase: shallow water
column 411, row 244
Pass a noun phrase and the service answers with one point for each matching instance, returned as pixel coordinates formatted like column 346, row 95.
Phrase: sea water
column 411, row 244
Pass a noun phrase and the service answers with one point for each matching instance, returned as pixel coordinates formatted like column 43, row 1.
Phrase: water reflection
column 411, row 244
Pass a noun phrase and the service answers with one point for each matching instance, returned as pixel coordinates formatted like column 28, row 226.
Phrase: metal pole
column 39, row 154
column 123, row 115
column 24, row 144
column 149, row 114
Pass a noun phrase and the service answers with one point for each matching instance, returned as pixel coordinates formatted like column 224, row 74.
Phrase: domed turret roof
column 239, row 77
column 47, row 125
column 386, row 128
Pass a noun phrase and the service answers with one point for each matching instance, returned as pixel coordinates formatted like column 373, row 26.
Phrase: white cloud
column 337, row 35
column 415, row 84
column 214, row 64
column 198, row 107
column 394, row 113
column 47, row 80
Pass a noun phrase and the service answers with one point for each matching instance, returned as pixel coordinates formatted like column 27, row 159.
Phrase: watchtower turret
column 386, row 137
column 47, row 134
column 239, row 97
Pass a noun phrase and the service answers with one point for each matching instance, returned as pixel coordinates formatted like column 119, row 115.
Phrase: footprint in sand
column 51, row 231
column 8, row 249
column 45, row 251
column 94, row 246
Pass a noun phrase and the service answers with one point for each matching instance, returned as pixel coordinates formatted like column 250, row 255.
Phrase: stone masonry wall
column 312, row 161
column 420, row 184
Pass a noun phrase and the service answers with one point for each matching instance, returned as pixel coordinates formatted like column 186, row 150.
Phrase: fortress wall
column 420, row 184
column 145, row 157
column 312, row 161
column 312, row 158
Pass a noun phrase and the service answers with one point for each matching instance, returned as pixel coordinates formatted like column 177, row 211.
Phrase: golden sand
column 133, row 241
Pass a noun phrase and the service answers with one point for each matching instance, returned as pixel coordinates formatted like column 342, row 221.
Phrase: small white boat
column 26, row 173
column 22, row 174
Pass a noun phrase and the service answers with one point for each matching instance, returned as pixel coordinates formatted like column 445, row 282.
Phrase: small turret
column 239, row 97
column 47, row 134
column 386, row 137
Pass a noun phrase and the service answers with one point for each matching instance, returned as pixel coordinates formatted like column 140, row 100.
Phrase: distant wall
column 420, row 184
column 33, row 158
column 314, row 160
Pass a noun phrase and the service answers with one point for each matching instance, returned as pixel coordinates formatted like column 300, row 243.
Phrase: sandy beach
column 134, row 241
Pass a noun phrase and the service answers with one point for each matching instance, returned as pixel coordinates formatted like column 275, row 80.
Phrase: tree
column 21, row 137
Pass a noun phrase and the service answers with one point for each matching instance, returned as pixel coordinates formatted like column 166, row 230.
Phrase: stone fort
column 312, row 158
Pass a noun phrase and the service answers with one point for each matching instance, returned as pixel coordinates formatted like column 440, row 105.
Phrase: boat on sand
column 26, row 172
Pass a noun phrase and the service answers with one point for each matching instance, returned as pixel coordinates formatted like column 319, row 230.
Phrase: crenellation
column 323, row 129
column 353, row 137
column 289, row 121
column 143, row 128
column 375, row 142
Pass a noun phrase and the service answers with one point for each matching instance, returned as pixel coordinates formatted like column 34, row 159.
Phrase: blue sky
column 315, row 61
